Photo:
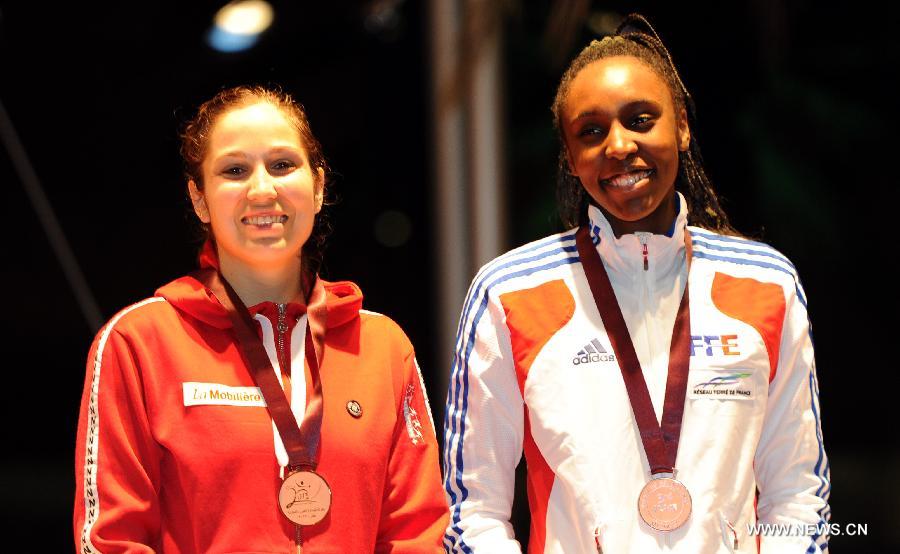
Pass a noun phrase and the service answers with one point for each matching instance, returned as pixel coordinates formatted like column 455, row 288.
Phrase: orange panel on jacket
column 533, row 316
column 760, row 305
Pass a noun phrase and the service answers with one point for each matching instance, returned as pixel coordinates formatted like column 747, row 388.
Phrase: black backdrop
column 796, row 121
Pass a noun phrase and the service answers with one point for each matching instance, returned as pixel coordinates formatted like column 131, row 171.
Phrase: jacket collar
column 625, row 254
column 342, row 299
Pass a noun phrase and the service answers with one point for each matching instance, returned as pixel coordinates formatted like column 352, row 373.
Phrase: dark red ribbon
column 300, row 441
column 660, row 441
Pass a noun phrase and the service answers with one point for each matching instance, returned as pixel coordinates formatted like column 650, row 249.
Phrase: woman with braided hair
column 655, row 367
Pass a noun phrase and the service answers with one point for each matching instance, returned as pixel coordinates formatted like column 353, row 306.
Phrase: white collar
column 625, row 254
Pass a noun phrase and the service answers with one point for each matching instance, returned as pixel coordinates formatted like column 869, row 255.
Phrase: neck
column 658, row 222
column 255, row 284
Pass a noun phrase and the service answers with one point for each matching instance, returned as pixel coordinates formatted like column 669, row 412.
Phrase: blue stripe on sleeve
column 455, row 426
column 506, row 261
column 709, row 235
column 744, row 261
column 766, row 253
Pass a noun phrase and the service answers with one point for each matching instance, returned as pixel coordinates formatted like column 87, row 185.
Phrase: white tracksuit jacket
column 534, row 370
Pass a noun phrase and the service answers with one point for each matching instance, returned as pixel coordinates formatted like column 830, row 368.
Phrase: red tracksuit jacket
column 175, row 450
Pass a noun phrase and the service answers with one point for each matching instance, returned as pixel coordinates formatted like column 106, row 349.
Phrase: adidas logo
column 593, row 352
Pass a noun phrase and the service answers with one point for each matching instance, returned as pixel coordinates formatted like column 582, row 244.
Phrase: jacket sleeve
column 414, row 510
column 483, row 431
column 116, row 458
column 792, row 471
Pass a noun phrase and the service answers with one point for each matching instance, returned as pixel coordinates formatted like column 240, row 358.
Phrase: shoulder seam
column 766, row 266
column 529, row 248
column 706, row 234
column 128, row 309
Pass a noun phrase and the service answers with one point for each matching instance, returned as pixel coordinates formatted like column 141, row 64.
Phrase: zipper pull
column 283, row 358
column 733, row 532
column 282, row 315
column 644, row 238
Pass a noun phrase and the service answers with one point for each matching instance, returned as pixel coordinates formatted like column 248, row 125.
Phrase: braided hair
column 635, row 37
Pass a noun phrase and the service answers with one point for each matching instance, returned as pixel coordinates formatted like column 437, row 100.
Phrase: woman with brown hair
column 252, row 406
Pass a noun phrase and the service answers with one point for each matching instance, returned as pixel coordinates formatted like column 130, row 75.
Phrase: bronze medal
column 664, row 504
column 304, row 498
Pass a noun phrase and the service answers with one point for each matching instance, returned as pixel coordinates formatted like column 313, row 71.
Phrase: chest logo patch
column 734, row 384
column 593, row 352
column 215, row 394
column 715, row 345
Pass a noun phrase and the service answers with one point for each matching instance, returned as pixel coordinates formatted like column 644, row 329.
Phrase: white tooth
column 628, row 179
column 263, row 220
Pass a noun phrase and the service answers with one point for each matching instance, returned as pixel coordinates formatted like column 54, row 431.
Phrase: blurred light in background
column 383, row 18
column 238, row 24
column 393, row 228
column 604, row 23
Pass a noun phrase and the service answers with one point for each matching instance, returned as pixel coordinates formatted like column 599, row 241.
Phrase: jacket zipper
column 644, row 276
column 282, row 329
column 298, row 539
column 650, row 328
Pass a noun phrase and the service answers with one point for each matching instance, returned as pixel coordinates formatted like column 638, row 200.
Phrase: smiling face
column 623, row 134
column 260, row 195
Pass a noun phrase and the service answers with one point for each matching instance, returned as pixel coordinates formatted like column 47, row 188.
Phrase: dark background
column 797, row 117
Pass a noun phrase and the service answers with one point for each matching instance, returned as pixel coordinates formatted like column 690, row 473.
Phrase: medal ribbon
column 300, row 441
column 660, row 441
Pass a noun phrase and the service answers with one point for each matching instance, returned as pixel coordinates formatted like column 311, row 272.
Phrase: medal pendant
column 664, row 504
column 304, row 498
